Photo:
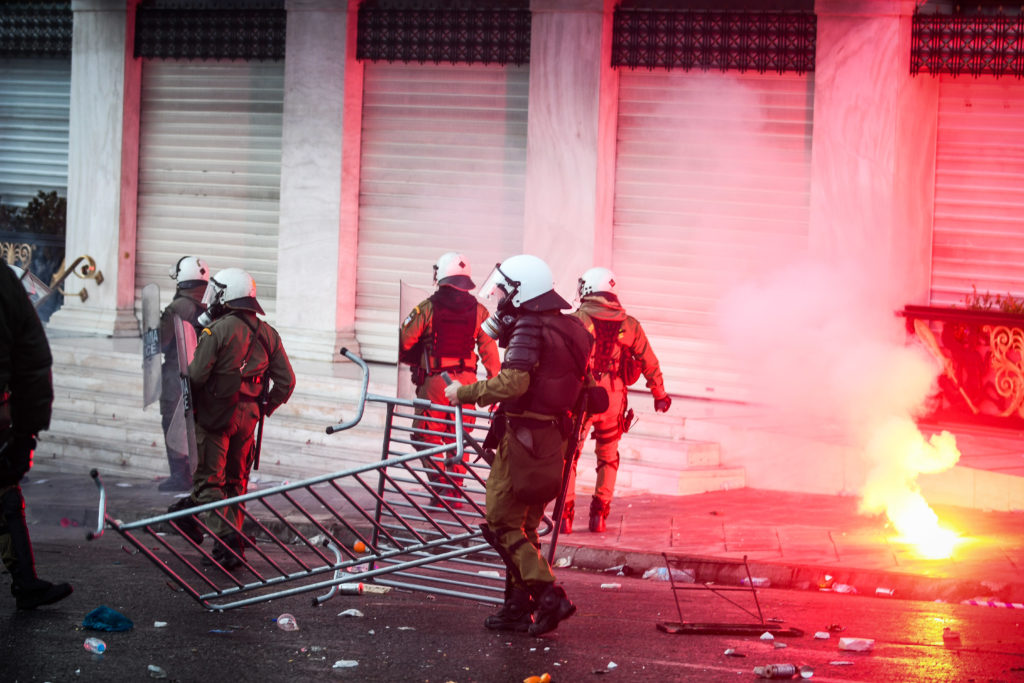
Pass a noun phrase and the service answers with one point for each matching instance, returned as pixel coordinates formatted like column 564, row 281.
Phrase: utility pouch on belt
column 419, row 375
column 496, row 430
column 535, row 457
column 215, row 404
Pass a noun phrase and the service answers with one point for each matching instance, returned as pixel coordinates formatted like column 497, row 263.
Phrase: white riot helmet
column 523, row 281
column 452, row 269
column 596, row 280
column 189, row 272
column 232, row 288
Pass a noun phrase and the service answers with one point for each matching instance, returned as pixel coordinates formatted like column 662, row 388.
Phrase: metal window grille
column 456, row 36
column 959, row 44
column 249, row 33
column 35, row 29
column 706, row 40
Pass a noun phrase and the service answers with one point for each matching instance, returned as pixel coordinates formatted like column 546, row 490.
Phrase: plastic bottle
column 95, row 646
column 286, row 622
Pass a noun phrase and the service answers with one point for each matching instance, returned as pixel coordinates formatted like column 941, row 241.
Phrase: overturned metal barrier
column 411, row 521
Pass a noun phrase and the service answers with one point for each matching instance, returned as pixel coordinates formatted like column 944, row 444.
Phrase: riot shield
column 181, row 434
column 150, row 343
column 409, row 297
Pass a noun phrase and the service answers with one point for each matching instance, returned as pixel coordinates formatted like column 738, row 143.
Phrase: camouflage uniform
column 628, row 337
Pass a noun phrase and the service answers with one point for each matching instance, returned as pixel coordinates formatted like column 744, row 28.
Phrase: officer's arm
column 649, row 364
column 205, row 356
column 508, row 383
column 283, row 376
column 486, row 346
column 412, row 328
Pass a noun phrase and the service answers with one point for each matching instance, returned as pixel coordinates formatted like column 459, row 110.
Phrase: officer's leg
column 207, row 483
column 28, row 589
column 607, row 433
column 238, row 463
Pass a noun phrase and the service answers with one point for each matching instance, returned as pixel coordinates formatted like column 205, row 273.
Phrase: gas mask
column 499, row 324
column 214, row 307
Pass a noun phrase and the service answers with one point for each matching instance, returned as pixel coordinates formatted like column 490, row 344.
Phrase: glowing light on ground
column 900, row 454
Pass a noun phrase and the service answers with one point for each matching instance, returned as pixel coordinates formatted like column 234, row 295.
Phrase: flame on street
column 900, row 453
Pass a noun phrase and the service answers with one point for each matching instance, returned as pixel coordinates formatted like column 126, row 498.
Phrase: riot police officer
column 541, row 379
column 191, row 275
column 621, row 351
column 443, row 335
column 240, row 373
column 25, row 407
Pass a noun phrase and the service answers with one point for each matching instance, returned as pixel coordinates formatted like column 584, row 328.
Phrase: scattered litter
column 562, row 562
column 489, row 573
column 844, row 588
column 123, row 485
column 611, row 666
column 65, row 522
column 359, row 568
column 611, row 586
column 95, row 646
column 841, row 662
column 779, row 645
column 345, row 664
column 221, row 630
column 543, row 678
column 730, row 652
column 767, row 637
column 826, row 583
column 286, row 622
column 856, row 644
column 618, row 570
column 350, row 613
column 372, row 588
column 351, row 588
column 406, row 628
column 783, row 671
column 822, row 635
column 105, row 619
column 949, row 635
column 662, row 574
column 317, row 540
column 884, row 592
column 836, row 628
column 159, row 624
column 756, row 581
column 156, row 672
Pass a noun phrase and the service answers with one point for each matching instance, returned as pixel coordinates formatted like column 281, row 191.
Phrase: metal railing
column 411, row 520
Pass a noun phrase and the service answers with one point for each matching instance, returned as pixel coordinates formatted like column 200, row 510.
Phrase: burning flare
column 900, row 453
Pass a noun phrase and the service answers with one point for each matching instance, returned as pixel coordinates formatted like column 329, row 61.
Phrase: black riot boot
column 598, row 513
column 515, row 614
column 223, row 556
column 29, row 590
column 181, row 475
column 568, row 513
column 553, row 606
column 188, row 525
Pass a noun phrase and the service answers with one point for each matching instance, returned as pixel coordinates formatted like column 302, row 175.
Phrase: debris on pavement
column 856, row 644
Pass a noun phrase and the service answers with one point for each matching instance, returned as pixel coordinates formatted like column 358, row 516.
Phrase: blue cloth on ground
column 105, row 619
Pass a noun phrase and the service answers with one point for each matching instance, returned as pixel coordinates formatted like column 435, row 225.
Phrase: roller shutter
column 442, row 169
column 210, row 169
column 978, row 237
column 712, row 182
column 35, row 102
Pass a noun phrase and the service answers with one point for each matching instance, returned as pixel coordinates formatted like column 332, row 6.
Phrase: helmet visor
column 496, row 287
column 213, row 288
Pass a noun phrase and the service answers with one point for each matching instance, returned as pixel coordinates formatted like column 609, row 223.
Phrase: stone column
column 101, row 216
column 318, row 226
column 570, row 149
column 873, row 160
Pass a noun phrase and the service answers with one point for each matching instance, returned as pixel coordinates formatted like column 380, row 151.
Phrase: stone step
column 99, row 422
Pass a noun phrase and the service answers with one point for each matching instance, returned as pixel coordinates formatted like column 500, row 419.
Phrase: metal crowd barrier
column 407, row 521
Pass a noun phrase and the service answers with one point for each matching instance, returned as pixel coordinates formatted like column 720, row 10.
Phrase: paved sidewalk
column 797, row 541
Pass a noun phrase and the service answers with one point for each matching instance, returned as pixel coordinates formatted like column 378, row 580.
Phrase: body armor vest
column 607, row 353
column 556, row 380
column 453, row 326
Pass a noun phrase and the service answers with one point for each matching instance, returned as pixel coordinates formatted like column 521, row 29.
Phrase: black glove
column 16, row 459
column 661, row 405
